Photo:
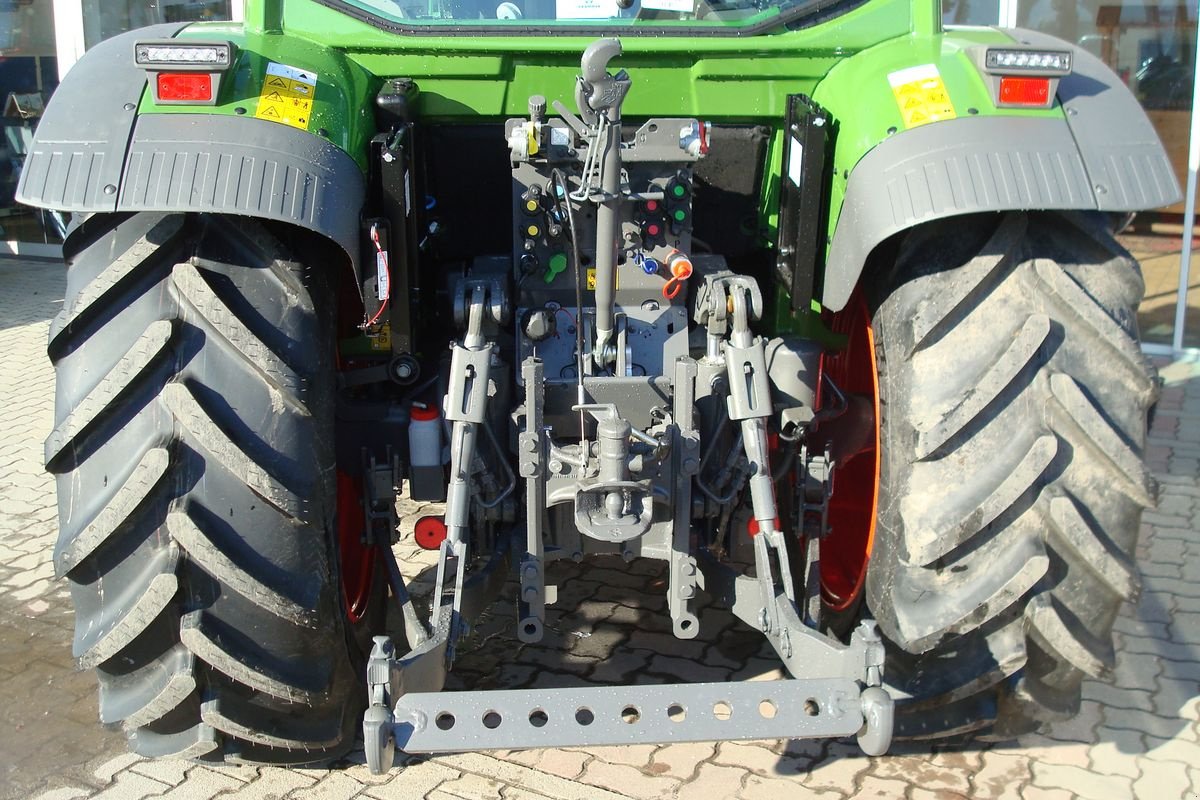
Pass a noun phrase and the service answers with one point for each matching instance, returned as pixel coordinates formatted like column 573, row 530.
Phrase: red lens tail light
column 185, row 86
column 1024, row 91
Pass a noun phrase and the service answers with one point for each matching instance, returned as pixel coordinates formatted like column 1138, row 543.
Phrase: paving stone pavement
column 1136, row 737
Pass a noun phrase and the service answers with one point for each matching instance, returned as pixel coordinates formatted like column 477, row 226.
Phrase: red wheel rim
column 847, row 548
column 357, row 560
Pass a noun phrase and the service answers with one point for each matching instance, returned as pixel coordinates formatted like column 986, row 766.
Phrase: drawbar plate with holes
column 437, row 722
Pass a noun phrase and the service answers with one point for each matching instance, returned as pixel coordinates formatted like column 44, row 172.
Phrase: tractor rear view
column 817, row 303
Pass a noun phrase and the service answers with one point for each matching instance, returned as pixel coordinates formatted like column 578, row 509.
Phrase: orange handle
column 681, row 269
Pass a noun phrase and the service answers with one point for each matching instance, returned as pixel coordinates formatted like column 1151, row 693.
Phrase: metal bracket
column 531, row 448
column 466, row 400
column 425, row 666
column 803, row 200
column 804, row 651
column 685, row 574
column 379, row 497
column 749, row 386
column 471, row 291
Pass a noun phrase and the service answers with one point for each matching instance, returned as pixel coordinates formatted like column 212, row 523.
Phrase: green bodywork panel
column 842, row 63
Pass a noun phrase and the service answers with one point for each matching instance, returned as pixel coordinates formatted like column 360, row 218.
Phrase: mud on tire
column 1014, row 399
column 193, row 448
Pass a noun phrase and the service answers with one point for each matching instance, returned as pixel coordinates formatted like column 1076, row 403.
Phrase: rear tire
column 194, row 453
column 1014, row 399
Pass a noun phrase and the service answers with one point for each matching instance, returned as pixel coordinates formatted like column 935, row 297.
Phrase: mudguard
column 92, row 152
column 1101, row 154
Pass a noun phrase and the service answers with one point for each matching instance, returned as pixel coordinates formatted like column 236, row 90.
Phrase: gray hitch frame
column 835, row 689
column 613, row 431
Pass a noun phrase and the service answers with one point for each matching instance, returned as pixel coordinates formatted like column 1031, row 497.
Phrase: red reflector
column 1024, row 91
column 191, row 86
column 430, row 532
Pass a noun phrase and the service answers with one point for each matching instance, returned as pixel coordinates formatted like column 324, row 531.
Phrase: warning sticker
column 287, row 95
column 383, row 340
column 921, row 95
column 590, row 280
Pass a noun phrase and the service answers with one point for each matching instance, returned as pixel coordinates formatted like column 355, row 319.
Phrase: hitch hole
column 584, row 716
column 685, row 624
column 630, row 715
column 722, row 710
column 767, row 709
column 444, row 721
column 492, row 720
column 811, row 707
column 531, row 628
column 676, row 712
column 538, row 718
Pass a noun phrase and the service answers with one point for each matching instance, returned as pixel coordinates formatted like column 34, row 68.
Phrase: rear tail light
column 186, row 87
column 185, row 72
column 1016, row 91
column 1021, row 76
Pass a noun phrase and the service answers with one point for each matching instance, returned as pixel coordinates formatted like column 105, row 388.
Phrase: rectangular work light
column 1057, row 62
column 184, row 73
column 217, row 55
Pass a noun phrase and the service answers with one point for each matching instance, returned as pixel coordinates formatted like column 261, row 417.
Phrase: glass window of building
column 29, row 71
column 106, row 18
column 28, row 75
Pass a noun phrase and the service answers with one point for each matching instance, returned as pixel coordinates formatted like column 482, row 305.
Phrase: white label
column 796, row 162
column 682, row 6
column 585, row 9
column 383, row 281
column 407, row 194
column 559, row 137
column 922, row 72
column 292, row 73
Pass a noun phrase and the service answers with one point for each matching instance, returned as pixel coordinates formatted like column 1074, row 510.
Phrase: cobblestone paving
column 1136, row 737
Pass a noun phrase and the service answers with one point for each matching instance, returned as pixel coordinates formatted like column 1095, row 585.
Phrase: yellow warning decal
column 590, row 280
column 921, row 95
column 383, row 341
column 287, row 95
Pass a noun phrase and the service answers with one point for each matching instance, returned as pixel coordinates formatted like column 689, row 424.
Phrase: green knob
column 558, row 263
column 680, row 215
column 679, row 190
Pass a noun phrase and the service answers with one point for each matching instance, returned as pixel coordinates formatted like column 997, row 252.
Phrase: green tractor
column 815, row 301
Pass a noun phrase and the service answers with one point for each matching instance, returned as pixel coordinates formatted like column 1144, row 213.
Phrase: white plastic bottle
column 426, row 478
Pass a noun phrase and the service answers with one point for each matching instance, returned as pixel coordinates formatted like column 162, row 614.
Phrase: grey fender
column 92, row 152
column 1103, row 155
